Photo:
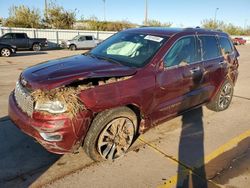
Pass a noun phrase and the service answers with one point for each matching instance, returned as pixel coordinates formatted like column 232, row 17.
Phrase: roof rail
column 219, row 30
column 188, row 28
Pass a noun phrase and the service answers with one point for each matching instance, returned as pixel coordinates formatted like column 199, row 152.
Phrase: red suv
column 239, row 41
column 132, row 81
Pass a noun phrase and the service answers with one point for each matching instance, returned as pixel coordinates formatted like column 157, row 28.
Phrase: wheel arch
column 72, row 44
column 132, row 106
column 36, row 43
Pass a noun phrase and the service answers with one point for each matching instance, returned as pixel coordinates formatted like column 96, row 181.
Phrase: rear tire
column 36, row 47
column 223, row 98
column 5, row 52
column 111, row 134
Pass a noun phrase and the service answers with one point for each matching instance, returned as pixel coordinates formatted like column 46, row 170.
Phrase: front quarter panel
column 137, row 90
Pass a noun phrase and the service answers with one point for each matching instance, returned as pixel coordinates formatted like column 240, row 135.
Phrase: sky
column 182, row 13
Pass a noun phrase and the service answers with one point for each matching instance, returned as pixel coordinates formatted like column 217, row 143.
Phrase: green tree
column 94, row 24
column 234, row 30
column 156, row 23
column 228, row 28
column 210, row 24
column 21, row 16
column 59, row 18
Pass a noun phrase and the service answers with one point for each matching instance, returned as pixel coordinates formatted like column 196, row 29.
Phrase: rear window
column 225, row 45
column 210, row 48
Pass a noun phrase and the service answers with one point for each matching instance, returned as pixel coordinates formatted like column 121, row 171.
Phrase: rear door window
column 210, row 49
column 89, row 38
column 225, row 44
column 20, row 36
column 184, row 50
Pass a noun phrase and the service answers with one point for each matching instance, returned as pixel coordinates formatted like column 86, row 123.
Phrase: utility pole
column 46, row 9
column 146, row 13
column 245, row 24
column 104, row 10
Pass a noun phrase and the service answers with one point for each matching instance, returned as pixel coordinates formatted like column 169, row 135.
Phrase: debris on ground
column 137, row 150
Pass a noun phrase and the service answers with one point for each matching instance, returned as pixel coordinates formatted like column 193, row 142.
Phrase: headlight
column 54, row 107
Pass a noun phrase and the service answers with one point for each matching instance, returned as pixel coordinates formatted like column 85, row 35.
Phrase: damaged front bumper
column 57, row 133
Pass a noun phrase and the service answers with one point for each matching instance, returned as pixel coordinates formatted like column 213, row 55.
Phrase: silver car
column 80, row 41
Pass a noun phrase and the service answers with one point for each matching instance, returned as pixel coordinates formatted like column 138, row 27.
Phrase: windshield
column 76, row 37
column 130, row 49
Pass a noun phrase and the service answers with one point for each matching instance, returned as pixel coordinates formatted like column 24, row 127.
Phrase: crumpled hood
column 55, row 73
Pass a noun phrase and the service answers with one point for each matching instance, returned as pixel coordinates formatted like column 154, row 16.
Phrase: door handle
column 196, row 69
column 222, row 62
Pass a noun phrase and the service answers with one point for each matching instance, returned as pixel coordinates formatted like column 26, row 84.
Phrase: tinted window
column 209, row 47
column 20, row 35
column 184, row 50
column 89, row 38
column 7, row 36
column 225, row 45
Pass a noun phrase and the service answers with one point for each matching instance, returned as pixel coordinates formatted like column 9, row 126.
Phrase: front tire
column 111, row 134
column 5, row 52
column 72, row 47
column 223, row 98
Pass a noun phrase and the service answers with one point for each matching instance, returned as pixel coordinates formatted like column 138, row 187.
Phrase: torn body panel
column 64, row 132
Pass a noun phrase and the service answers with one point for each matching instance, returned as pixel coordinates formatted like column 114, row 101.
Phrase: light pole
column 104, row 10
column 146, row 13
column 46, row 8
column 245, row 24
column 215, row 14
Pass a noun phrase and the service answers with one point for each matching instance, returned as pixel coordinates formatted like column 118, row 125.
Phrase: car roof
column 14, row 33
column 169, row 31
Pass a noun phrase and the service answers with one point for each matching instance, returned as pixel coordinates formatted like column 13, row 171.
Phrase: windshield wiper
column 103, row 58
column 89, row 54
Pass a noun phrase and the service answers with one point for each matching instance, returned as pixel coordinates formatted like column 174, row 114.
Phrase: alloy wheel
column 5, row 52
column 225, row 96
column 116, row 138
column 36, row 47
